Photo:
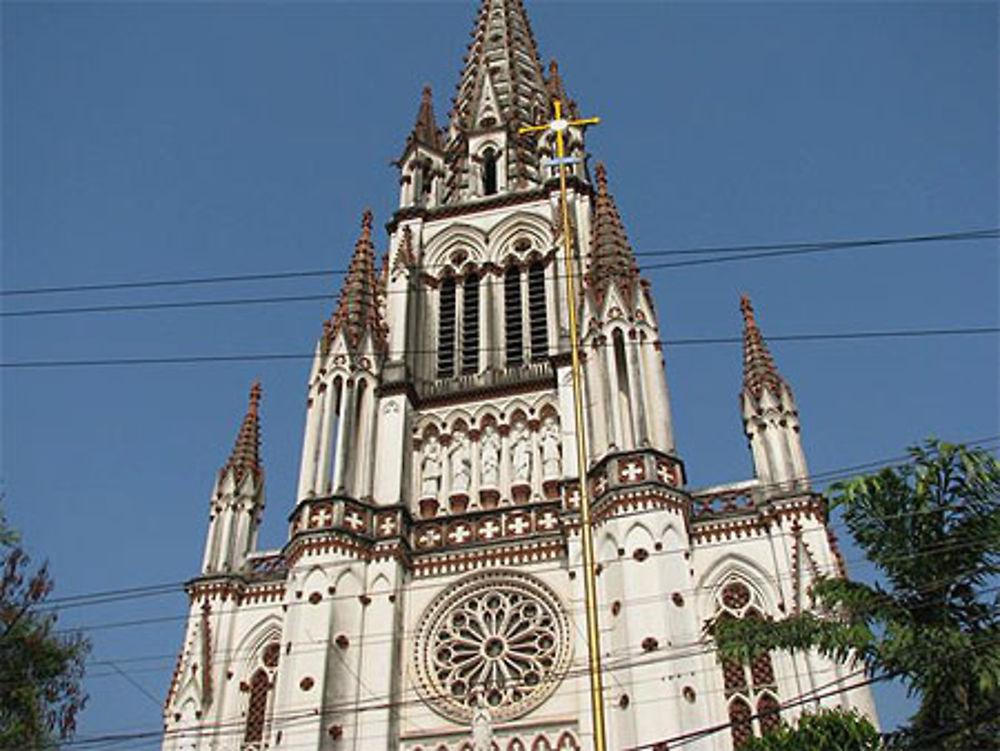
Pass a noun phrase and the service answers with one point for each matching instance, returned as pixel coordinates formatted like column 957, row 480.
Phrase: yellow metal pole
column 590, row 574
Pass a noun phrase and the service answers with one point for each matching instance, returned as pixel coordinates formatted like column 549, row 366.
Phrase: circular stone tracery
column 502, row 632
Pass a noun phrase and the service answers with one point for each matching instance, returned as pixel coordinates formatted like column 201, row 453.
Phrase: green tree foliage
column 932, row 529
column 40, row 669
column 828, row 730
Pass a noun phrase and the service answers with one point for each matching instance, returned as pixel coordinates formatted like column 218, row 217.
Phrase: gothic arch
column 515, row 745
column 315, row 579
column 348, row 582
column 507, row 232
column 567, row 742
column 732, row 566
column 638, row 536
column 258, row 636
column 458, row 237
column 380, row 584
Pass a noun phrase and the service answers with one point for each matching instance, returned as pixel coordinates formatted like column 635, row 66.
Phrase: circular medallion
column 500, row 633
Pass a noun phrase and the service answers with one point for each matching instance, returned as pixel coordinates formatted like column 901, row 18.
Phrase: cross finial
column 366, row 223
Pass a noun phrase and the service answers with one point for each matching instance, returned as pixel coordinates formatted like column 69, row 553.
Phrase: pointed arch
column 513, row 230
column 567, row 742
column 260, row 684
column 515, row 745
column 735, row 565
column 465, row 239
column 380, row 585
column 256, row 638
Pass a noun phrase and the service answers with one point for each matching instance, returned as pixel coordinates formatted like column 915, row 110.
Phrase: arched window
column 257, row 707
column 470, row 324
column 489, row 172
column 513, row 324
column 537, row 312
column 446, row 330
column 747, row 685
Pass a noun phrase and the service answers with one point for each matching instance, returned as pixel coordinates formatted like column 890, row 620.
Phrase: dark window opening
column 470, row 325
column 489, row 172
column 537, row 312
column 512, row 316
column 446, row 330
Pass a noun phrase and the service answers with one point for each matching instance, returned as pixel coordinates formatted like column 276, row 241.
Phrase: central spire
column 501, row 89
column 503, row 57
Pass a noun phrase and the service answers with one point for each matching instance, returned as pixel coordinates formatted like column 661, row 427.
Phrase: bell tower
column 429, row 595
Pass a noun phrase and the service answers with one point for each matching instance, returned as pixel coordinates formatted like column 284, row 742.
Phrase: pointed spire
column 759, row 370
column 611, row 259
column 503, row 45
column 357, row 309
column 245, row 458
column 502, row 56
column 425, row 129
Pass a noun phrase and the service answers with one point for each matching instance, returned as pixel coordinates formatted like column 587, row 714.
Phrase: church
column 432, row 593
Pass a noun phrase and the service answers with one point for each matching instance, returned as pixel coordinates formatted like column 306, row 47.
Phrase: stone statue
column 431, row 468
column 521, row 453
column 551, row 451
column 461, row 464
column 489, row 457
column 482, row 723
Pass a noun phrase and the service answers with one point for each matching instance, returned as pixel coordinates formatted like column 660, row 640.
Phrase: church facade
column 430, row 594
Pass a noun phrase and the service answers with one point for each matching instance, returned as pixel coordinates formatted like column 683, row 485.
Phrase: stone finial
column 357, row 308
column 759, row 370
column 611, row 259
column 245, row 457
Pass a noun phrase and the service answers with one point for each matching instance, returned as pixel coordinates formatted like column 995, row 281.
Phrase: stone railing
column 726, row 500
column 496, row 379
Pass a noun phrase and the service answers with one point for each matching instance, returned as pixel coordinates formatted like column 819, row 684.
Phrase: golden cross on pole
column 558, row 126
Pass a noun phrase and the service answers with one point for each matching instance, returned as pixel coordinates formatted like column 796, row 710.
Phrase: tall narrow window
column 537, row 313
column 747, row 685
column 512, row 316
column 446, row 330
column 621, row 371
column 489, row 172
column 470, row 324
column 256, row 707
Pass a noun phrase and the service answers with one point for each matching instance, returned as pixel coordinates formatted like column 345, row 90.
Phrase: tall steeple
column 238, row 497
column 502, row 55
column 611, row 258
column 357, row 310
column 502, row 88
column 770, row 416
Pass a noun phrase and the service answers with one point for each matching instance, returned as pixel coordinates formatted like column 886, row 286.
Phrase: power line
column 812, row 246
column 680, row 342
column 722, row 255
column 101, row 597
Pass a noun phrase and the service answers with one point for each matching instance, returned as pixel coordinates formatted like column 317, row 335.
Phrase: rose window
column 499, row 634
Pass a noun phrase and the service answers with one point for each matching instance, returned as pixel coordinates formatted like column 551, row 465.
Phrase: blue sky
column 157, row 140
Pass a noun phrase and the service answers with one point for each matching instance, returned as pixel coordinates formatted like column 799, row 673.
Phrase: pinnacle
column 357, row 308
column 425, row 129
column 612, row 261
column 759, row 370
column 245, row 457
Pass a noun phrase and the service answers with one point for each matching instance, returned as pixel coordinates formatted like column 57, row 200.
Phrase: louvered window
column 446, row 330
column 537, row 313
column 512, row 316
column 470, row 325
